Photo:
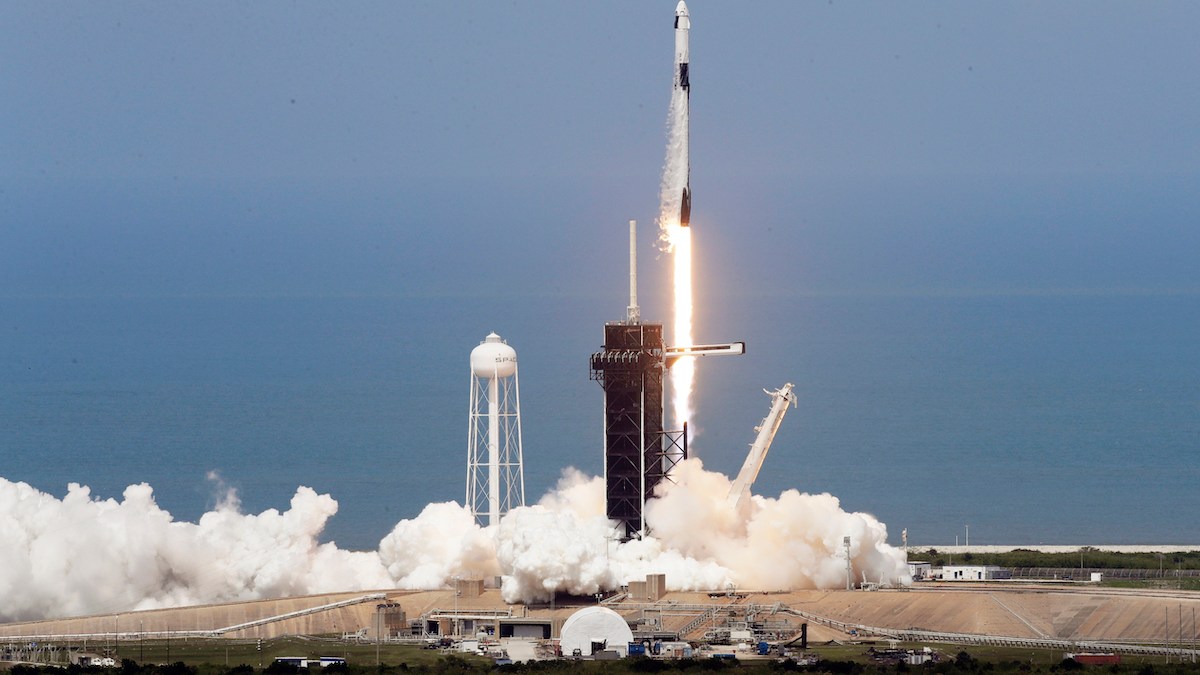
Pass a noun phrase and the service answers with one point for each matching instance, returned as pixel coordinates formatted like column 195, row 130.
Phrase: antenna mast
column 635, row 312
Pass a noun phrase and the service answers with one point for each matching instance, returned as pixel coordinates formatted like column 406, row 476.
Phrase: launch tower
column 638, row 452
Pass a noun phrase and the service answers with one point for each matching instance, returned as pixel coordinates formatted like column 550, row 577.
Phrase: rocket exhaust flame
column 675, row 215
column 683, row 372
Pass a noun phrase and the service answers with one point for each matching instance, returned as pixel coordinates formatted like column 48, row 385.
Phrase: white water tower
column 495, row 478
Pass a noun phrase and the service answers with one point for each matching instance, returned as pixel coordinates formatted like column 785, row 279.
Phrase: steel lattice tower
column 637, row 452
column 495, row 473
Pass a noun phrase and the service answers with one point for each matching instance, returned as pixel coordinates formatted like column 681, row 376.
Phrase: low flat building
column 975, row 573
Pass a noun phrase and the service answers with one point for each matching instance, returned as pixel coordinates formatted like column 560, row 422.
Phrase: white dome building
column 595, row 629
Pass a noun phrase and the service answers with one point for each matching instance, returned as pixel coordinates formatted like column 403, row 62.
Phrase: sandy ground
column 1085, row 613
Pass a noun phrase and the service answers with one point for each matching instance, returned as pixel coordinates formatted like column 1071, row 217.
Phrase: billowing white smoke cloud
column 790, row 542
column 440, row 544
column 699, row 541
column 81, row 555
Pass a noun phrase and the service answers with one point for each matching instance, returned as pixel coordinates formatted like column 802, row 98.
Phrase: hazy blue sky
column 450, row 147
column 474, row 148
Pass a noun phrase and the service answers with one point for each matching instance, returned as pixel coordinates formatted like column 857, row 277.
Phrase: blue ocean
column 1060, row 418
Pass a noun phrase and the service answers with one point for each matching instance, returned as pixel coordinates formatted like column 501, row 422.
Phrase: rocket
column 683, row 95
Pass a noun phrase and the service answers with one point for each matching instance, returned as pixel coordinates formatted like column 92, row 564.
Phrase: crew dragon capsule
column 683, row 95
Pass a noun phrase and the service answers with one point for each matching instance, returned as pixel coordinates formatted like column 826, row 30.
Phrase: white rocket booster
column 683, row 24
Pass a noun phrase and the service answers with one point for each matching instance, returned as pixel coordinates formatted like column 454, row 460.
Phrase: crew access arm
column 740, row 492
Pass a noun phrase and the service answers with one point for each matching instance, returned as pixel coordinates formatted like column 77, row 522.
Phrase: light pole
column 457, row 592
column 378, row 630
column 849, row 573
column 1167, row 631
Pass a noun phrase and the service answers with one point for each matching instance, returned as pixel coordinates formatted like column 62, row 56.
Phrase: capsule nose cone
column 681, row 9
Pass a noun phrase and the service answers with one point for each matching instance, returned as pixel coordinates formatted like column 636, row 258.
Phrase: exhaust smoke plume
column 677, row 240
column 82, row 555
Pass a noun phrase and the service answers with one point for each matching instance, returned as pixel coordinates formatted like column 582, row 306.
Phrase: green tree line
column 1090, row 557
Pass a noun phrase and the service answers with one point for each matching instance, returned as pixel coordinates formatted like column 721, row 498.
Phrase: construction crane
column 780, row 398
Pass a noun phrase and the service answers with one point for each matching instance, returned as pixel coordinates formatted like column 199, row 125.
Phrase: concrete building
column 920, row 571
column 650, row 590
column 974, row 573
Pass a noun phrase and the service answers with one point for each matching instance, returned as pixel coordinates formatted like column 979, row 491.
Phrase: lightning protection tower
column 495, row 476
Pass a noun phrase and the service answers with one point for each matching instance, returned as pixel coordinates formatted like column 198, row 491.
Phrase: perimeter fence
column 1085, row 573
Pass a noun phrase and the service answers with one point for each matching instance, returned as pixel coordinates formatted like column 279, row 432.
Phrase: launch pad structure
column 639, row 452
